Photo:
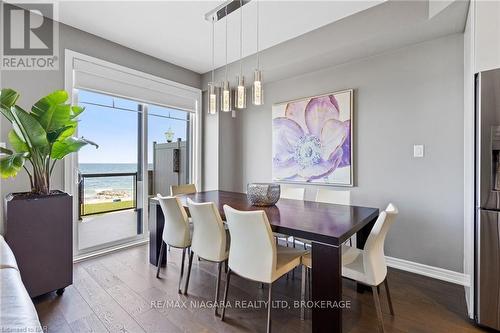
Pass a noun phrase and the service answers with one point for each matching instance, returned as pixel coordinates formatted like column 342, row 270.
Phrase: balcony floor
column 95, row 230
column 115, row 293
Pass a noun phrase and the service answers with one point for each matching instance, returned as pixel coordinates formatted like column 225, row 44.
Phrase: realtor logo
column 30, row 36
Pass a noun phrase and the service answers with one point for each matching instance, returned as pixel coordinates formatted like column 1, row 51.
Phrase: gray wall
column 412, row 95
column 34, row 84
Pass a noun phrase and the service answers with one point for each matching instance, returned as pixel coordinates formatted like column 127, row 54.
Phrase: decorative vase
column 263, row 194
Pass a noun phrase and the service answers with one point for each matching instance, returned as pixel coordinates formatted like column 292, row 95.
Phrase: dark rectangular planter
column 39, row 229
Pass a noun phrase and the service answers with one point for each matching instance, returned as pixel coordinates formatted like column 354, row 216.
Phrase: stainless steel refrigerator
column 487, row 199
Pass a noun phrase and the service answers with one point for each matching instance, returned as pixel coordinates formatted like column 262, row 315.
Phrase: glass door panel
column 110, row 203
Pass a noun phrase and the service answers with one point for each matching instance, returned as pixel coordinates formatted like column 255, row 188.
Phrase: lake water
column 108, row 188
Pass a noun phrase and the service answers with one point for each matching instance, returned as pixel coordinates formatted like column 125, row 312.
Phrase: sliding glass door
column 110, row 177
column 143, row 150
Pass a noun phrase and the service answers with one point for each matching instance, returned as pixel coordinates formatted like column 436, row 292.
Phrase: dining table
column 326, row 225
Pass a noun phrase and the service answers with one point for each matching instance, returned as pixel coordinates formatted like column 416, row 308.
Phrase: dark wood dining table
column 327, row 226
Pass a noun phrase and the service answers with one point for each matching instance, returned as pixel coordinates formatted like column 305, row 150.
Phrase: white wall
column 402, row 97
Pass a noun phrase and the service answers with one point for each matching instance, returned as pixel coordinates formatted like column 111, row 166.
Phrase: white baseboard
column 430, row 271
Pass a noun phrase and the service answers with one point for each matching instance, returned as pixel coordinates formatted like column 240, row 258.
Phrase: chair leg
column 380, row 318
column 386, row 284
column 309, row 280
column 269, row 307
column 162, row 250
column 226, row 289
column 191, row 253
column 303, row 292
column 217, row 285
column 182, row 269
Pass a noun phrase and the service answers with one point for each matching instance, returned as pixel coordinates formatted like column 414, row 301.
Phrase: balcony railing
column 100, row 193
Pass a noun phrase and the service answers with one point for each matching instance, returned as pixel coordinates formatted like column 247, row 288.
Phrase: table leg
column 326, row 286
column 361, row 237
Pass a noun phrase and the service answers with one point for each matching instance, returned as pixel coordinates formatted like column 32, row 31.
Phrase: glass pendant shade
column 212, row 98
column 257, row 89
column 240, row 94
column 225, row 97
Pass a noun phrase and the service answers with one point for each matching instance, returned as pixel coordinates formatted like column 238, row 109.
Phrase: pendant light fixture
column 212, row 87
column 240, row 95
column 257, row 89
column 226, row 90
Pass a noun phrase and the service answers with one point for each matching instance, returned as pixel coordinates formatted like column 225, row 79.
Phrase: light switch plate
column 418, row 151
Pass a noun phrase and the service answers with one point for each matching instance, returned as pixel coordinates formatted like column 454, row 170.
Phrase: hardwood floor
column 120, row 293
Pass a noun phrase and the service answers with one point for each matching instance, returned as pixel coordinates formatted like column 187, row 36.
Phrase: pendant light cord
column 213, row 50
column 258, row 55
column 226, row 42
column 241, row 37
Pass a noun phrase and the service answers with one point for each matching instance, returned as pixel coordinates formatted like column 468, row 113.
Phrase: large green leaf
column 6, row 151
column 52, row 112
column 28, row 128
column 76, row 110
column 60, row 133
column 67, row 146
column 8, row 98
column 17, row 143
column 11, row 165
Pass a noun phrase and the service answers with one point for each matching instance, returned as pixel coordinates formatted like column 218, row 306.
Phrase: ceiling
column 176, row 31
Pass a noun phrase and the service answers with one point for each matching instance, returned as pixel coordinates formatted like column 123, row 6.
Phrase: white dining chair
column 293, row 193
column 338, row 197
column 253, row 253
column 210, row 239
column 182, row 189
column 366, row 266
column 176, row 231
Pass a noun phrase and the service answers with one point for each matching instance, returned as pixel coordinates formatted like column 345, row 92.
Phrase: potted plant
column 39, row 222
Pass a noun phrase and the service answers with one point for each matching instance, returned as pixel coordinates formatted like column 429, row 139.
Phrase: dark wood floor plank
column 119, row 292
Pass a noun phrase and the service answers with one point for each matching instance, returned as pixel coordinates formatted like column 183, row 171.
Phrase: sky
column 115, row 130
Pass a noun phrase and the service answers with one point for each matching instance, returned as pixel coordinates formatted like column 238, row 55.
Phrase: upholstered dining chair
column 338, row 197
column 182, row 189
column 210, row 239
column 294, row 193
column 260, row 259
column 176, row 231
column 366, row 266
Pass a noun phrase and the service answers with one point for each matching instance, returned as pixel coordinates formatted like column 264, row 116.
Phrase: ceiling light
column 257, row 89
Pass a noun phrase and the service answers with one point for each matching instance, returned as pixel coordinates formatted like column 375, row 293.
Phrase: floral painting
column 312, row 140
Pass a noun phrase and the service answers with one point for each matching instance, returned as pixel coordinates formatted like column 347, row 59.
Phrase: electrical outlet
column 418, row 151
